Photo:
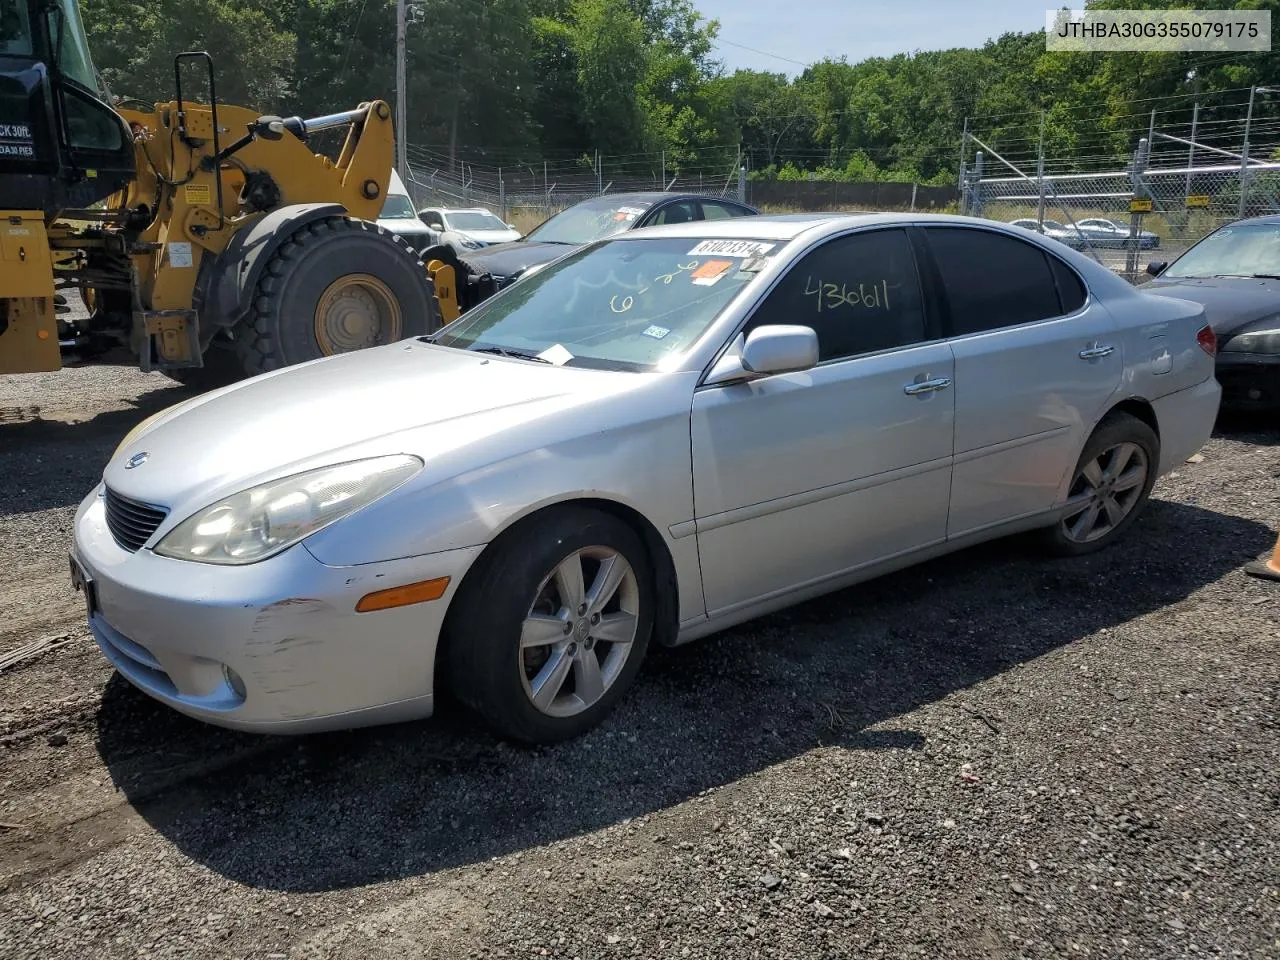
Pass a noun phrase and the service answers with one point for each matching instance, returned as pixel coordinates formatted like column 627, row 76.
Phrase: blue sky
column 808, row 30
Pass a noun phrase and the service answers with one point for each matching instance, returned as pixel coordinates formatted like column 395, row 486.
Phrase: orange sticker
column 710, row 271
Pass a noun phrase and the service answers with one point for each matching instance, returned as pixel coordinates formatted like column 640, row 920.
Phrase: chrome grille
column 131, row 523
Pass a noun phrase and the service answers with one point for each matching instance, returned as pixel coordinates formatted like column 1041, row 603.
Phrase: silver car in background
column 659, row 435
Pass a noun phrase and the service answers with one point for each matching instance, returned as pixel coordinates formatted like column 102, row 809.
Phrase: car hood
column 406, row 397
column 1229, row 302
column 490, row 236
column 398, row 225
column 511, row 259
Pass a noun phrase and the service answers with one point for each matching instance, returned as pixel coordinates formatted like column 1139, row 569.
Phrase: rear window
column 992, row 280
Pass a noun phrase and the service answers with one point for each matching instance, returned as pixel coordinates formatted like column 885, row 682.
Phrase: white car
column 469, row 229
column 658, row 435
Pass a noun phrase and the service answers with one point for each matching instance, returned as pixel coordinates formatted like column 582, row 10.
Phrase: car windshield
column 397, row 207
column 1251, row 249
column 592, row 220
column 475, row 221
column 617, row 305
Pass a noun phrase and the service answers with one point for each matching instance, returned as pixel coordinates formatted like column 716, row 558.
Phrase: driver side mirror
column 1156, row 267
column 776, row 348
column 780, row 348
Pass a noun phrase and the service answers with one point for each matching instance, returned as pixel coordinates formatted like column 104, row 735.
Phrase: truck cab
column 61, row 142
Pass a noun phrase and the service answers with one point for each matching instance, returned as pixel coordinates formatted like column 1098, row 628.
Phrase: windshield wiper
column 503, row 352
column 1265, row 276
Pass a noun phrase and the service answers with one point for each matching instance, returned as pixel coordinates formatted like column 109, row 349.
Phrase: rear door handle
column 1096, row 350
column 926, row 386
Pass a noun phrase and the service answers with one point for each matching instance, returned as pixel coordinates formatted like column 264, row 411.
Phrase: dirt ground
column 992, row 755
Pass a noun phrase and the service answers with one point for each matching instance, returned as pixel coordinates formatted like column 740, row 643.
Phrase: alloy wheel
column 1104, row 492
column 579, row 631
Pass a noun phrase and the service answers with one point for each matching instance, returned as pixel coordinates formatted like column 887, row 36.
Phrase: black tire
column 487, row 669
column 221, row 367
column 281, row 328
column 1115, row 430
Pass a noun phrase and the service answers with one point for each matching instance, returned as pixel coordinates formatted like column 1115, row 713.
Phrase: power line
column 763, row 53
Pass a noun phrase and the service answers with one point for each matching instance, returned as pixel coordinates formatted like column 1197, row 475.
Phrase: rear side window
column 860, row 293
column 992, row 280
column 720, row 211
column 1071, row 291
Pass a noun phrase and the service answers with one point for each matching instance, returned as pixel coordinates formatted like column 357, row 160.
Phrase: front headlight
column 264, row 520
column 1261, row 336
column 471, row 244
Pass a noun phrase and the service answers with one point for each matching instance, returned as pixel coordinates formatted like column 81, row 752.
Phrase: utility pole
column 1191, row 150
column 1040, row 174
column 402, row 112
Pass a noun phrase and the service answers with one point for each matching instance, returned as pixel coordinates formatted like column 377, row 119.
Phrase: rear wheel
column 335, row 286
column 550, row 632
column 1110, row 486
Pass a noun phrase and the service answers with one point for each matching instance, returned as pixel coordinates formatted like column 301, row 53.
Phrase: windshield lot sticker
column 755, row 264
column 556, row 354
column 710, row 272
column 871, row 296
column 731, row 248
column 656, row 332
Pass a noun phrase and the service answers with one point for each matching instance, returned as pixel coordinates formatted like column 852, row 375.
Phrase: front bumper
column 1250, row 381
column 272, row 647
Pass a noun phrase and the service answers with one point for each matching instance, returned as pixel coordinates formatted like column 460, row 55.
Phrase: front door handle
column 1096, row 350
column 926, row 386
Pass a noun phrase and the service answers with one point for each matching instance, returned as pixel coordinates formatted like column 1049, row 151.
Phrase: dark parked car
column 1235, row 273
column 484, row 272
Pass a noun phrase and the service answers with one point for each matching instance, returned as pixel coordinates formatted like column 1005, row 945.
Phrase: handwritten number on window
column 831, row 296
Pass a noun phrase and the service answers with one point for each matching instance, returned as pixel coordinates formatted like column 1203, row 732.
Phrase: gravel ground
column 991, row 755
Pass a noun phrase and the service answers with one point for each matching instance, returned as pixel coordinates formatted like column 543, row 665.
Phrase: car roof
column 786, row 227
column 1271, row 218
column 656, row 196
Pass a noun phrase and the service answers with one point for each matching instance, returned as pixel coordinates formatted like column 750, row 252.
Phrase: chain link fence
column 519, row 196
column 1173, row 191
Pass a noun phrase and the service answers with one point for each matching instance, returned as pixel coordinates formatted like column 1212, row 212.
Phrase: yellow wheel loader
column 210, row 241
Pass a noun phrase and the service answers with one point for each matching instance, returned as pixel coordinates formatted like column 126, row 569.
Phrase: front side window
column 591, row 220
column 992, row 280
column 859, row 293
column 680, row 212
column 622, row 304
column 1241, row 250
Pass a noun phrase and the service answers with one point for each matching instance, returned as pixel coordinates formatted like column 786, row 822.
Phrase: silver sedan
column 655, row 437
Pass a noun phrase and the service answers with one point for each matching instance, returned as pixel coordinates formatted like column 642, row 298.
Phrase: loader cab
column 61, row 143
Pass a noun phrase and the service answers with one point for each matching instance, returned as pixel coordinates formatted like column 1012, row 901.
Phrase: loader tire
column 334, row 286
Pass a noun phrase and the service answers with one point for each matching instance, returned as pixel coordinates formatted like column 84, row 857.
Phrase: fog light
column 233, row 681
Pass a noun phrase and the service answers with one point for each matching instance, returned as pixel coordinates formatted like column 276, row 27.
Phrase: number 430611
column 831, row 296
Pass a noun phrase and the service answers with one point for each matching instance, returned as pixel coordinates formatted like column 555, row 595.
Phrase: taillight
column 1208, row 340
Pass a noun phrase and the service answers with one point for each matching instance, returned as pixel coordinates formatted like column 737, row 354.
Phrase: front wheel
column 550, row 631
column 1111, row 485
column 335, row 286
